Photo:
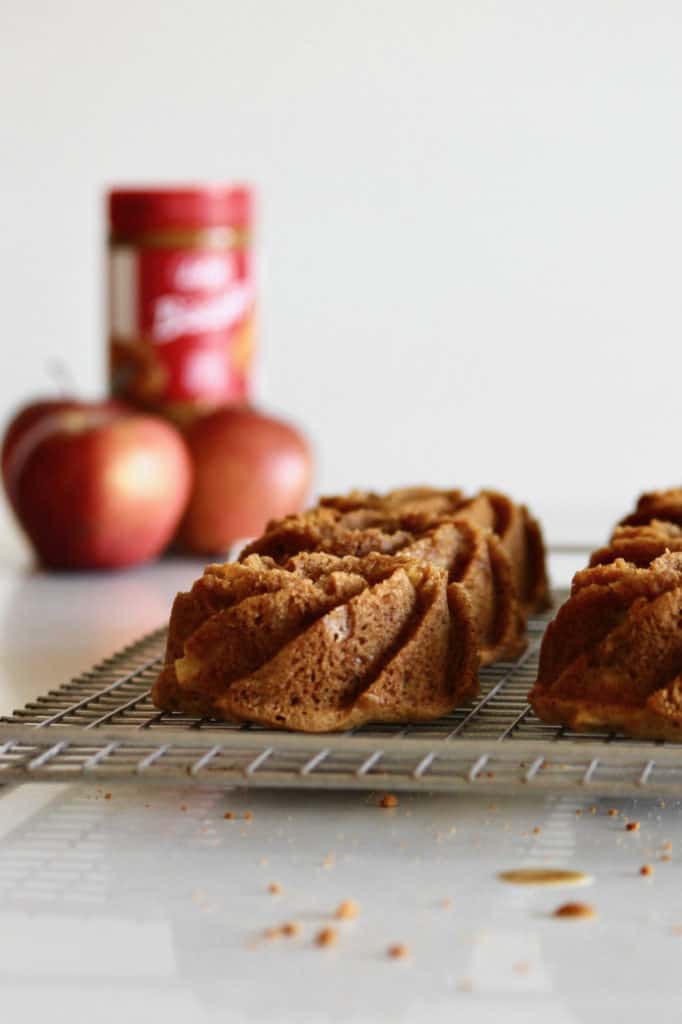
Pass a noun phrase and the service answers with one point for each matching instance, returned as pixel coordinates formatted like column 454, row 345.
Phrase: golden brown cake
column 473, row 556
column 612, row 657
column 320, row 643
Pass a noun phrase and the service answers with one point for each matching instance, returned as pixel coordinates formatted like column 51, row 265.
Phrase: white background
column 469, row 231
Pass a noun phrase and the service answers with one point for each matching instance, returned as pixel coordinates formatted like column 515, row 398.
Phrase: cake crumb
column 107, row 796
column 326, row 937
column 585, row 910
column 537, row 830
column 272, row 933
column 389, row 800
column 593, row 809
column 248, row 815
column 668, row 845
column 347, row 910
column 228, row 815
column 329, row 861
column 613, row 813
column 398, row 951
column 275, row 888
column 666, row 857
column 646, row 870
column 578, row 813
column 446, row 903
column 632, row 826
column 522, row 967
column 291, row 928
column 677, row 929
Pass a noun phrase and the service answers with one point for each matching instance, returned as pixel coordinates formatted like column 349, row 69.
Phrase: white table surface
column 150, row 905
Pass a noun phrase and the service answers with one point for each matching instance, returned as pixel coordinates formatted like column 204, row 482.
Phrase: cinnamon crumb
column 646, row 870
column 272, row 933
column 107, row 796
column 326, row 937
column 291, row 928
column 389, row 800
column 575, row 910
column 228, row 815
column 248, row 815
column 275, row 888
column 613, row 813
column 398, row 951
column 347, row 910
column 537, row 830
column 632, row 826
column 578, row 813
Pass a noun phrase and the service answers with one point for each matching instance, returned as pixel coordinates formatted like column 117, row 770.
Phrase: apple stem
column 61, row 375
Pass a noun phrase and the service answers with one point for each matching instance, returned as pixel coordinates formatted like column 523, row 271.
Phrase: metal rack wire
column 103, row 726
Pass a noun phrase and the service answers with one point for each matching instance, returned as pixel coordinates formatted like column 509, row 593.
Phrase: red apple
column 96, row 487
column 248, row 468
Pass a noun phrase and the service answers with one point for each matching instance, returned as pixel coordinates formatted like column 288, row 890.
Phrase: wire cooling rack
column 103, row 726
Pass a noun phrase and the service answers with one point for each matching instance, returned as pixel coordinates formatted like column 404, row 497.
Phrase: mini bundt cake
column 320, row 643
column 472, row 556
column 612, row 657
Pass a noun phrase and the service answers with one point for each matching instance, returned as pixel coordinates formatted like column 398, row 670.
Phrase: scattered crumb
column 183, row 807
column 578, row 813
column 398, row 951
column 522, row 967
column 537, row 830
column 465, row 985
column 272, row 933
column 107, row 796
column 666, row 857
column 677, row 929
column 248, row 815
column 291, row 928
column 228, row 815
column 326, row 937
column 492, row 807
column 329, row 861
column 632, row 826
column 613, row 813
column 575, row 910
column 593, row 809
column 667, row 846
column 490, row 775
column 347, row 910
column 263, row 862
column 389, row 800
column 275, row 888
column 446, row 903
column 646, row 870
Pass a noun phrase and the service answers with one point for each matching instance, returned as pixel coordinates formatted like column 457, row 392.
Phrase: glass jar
column 181, row 298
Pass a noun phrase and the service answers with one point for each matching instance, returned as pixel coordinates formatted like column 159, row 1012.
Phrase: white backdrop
column 470, row 221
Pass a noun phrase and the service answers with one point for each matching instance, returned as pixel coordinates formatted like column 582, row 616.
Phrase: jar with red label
column 181, row 297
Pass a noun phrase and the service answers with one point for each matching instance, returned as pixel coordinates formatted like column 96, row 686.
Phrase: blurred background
column 469, row 222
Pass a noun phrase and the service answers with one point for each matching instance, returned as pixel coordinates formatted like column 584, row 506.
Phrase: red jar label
column 181, row 324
